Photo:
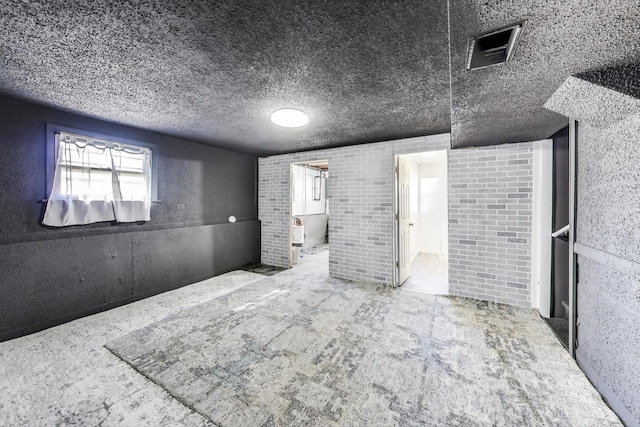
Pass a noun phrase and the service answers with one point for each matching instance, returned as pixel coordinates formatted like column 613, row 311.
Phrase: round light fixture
column 289, row 118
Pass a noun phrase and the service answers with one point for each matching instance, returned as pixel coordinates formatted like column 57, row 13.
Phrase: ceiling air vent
column 493, row 48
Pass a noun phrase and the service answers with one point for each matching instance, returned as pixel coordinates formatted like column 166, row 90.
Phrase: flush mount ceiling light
column 289, row 118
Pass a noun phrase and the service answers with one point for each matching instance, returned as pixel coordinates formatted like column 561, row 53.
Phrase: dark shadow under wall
column 50, row 276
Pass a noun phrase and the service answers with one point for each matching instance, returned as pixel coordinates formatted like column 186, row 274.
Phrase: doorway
column 422, row 222
column 309, row 225
column 559, row 313
column 551, row 284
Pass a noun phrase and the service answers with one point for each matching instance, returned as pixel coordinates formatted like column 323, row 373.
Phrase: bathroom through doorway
column 309, row 213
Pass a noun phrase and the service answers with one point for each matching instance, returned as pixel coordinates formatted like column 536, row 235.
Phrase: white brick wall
column 361, row 218
column 490, row 222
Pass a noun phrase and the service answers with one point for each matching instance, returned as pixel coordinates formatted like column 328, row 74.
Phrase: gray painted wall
column 361, row 217
column 490, row 223
column 608, row 242
column 48, row 276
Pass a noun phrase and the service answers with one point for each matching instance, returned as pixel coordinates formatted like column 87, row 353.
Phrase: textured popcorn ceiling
column 215, row 71
column 625, row 79
column 506, row 103
column 364, row 71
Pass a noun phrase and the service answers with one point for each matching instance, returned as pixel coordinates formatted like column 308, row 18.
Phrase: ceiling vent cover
column 493, row 48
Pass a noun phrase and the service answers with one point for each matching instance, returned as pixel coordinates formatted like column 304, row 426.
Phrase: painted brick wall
column 361, row 217
column 490, row 222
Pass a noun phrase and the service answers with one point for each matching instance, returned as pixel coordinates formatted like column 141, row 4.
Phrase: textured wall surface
column 608, row 236
column 607, row 230
column 361, row 218
column 53, row 275
column 490, row 223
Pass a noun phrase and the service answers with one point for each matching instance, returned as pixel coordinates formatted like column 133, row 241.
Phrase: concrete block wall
column 490, row 223
column 361, row 220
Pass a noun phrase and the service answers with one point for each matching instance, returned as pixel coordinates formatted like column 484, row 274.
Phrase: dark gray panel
column 235, row 245
column 504, row 103
column 50, row 282
column 215, row 71
column 166, row 257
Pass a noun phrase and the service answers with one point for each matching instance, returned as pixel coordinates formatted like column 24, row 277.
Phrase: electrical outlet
column 180, row 207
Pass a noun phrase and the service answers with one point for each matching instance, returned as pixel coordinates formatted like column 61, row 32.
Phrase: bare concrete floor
column 428, row 275
column 65, row 375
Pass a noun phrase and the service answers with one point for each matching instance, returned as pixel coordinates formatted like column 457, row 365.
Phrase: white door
column 404, row 221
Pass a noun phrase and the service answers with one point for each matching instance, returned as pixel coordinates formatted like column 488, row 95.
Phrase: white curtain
column 99, row 181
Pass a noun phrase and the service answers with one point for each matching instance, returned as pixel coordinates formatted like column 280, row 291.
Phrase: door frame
column 396, row 217
column 397, row 221
column 303, row 163
column 396, row 249
column 542, row 214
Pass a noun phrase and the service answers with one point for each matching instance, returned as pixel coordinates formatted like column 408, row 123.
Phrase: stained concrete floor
column 65, row 375
column 428, row 275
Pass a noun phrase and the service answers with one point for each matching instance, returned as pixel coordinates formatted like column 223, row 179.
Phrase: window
column 98, row 179
column 87, row 167
column 413, row 195
column 427, row 189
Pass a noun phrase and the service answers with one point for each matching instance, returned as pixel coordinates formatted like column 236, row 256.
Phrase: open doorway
column 552, row 285
column 551, row 282
column 309, row 213
column 422, row 226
